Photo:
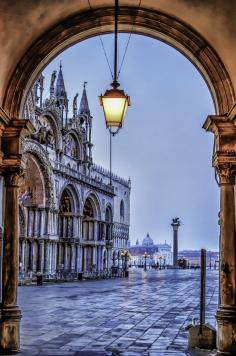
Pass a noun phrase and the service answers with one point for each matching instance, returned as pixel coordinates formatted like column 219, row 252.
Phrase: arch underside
column 131, row 19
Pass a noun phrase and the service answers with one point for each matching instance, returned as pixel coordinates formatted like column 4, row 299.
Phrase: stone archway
column 68, row 230
column 78, row 27
column 143, row 21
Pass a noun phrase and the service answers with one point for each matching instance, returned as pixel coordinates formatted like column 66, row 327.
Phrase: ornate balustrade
column 106, row 173
column 120, row 231
column 59, row 167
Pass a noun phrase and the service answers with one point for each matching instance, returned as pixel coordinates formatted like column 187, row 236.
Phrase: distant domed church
column 147, row 241
column 154, row 251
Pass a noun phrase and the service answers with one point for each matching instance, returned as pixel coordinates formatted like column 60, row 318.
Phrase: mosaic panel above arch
column 71, row 146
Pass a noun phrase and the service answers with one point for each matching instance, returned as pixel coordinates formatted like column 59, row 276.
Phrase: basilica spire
column 60, row 86
column 84, row 114
column 61, row 97
column 84, row 107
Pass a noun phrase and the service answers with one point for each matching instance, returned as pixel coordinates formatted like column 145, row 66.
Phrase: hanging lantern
column 115, row 104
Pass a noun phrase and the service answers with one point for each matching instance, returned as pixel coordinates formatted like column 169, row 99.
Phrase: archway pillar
column 13, row 135
column 224, row 161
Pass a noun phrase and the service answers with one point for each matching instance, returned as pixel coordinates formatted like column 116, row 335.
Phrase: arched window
column 88, row 221
column 108, row 215
column 122, row 211
column 88, row 209
column 66, row 215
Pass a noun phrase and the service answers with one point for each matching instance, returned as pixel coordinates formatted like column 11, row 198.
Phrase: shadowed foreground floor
column 145, row 314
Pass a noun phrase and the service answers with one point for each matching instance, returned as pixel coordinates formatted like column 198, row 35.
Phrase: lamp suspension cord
column 103, row 47
column 126, row 47
column 127, row 44
column 115, row 44
column 105, row 54
column 110, row 157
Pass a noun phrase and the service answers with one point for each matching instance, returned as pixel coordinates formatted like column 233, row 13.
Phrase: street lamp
column 115, row 102
column 160, row 260
column 145, row 260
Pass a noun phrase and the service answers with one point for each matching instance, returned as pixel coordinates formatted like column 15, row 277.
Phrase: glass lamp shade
column 115, row 104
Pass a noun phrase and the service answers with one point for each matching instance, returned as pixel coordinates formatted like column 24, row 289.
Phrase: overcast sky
column 162, row 145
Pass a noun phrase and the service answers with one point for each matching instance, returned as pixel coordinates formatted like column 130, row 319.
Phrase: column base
column 10, row 330
column 226, row 319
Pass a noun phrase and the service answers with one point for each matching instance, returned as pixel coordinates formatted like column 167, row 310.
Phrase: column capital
column 13, row 137
column 226, row 174
column 225, row 165
column 13, row 176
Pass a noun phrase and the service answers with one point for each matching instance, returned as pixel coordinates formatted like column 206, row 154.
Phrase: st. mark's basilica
column 72, row 218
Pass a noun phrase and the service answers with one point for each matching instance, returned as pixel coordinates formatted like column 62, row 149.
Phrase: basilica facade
column 72, row 217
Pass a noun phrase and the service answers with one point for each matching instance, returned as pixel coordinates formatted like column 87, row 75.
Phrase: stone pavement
column 145, row 314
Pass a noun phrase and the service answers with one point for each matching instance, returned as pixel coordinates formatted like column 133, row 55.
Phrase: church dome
column 147, row 241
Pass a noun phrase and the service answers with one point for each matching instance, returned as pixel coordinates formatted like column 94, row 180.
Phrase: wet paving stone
column 145, row 314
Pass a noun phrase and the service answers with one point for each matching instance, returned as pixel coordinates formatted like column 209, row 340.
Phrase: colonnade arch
column 171, row 30
column 35, row 205
column 143, row 21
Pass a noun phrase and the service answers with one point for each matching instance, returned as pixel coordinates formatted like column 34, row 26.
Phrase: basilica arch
column 33, row 148
column 75, row 198
column 68, row 229
column 150, row 21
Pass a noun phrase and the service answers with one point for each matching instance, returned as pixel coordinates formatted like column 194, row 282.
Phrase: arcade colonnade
column 60, row 242
column 208, row 41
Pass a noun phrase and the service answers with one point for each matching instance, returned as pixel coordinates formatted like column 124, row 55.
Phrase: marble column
column 72, row 263
column 59, row 257
column 74, row 226
column 46, row 257
column 42, row 222
column 52, row 257
column 66, row 257
column 64, row 227
column 35, row 225
column 46, row 224
column 41, row 256
column 85, row 259
column 95, row 230
column 31, row 255
column 95, row 257
column 86, row 231
column 98, row 258
column 23, row 256
column 226, row 314
column 10, row 312
column 80, row 258
column 30, row 222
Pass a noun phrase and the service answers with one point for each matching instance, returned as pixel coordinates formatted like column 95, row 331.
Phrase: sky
column 162, row 146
